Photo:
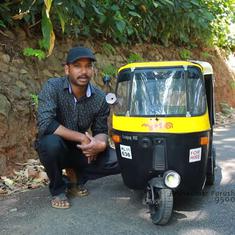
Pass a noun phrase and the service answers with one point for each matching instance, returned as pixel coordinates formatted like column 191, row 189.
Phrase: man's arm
column 47, row 123
column 71, row 135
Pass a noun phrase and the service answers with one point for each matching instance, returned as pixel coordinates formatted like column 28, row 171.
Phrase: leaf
column 82, row 3
column 8, row 182
column 2, row 24
column 62, row 20
column 102, row 19
column 47, row 31
column 130, row 6
column 115, row 7
column 155, row 4
column 134, row 14
column 19, row 16
column 48, row 3
column 120, row 26
column 98, row 30
column 79, row 12
column 169, row 2
column 97, row 10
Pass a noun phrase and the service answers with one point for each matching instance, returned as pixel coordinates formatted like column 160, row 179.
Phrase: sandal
column 60, row 201
column 78, row 190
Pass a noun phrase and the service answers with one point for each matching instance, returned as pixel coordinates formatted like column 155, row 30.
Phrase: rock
column 17, row 61
column 47, row 73
column 6, row 58
column 53, row 62
column 3, row 164
column 4, row 67
column 13, row 69
column 23, row 71
column 119, row 58
column 13, row 210
column 5, row 106
column 21, row 85
column 61, row 56
column 10, row 35
column 20, row 34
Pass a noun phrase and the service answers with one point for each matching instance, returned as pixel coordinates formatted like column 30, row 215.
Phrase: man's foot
column 78, row 191
column 60, row 201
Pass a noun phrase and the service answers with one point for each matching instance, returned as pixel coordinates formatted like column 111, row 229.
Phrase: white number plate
column 125, row 151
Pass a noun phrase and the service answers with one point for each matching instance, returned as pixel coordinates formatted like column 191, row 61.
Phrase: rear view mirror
column 111, row 98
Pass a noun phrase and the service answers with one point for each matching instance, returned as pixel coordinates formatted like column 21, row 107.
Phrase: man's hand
column 91, row 149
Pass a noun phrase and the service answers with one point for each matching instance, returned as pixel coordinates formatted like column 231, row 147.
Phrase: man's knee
column 51, row 145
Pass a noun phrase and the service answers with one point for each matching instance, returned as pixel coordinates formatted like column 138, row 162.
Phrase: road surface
column 111, row 208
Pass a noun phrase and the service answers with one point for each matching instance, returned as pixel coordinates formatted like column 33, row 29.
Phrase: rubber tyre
column 161, row 213
column 210, row 178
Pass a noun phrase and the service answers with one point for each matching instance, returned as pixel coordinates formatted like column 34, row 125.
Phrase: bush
column 181, row 22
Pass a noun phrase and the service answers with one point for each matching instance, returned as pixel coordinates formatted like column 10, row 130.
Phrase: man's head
column 79, row 65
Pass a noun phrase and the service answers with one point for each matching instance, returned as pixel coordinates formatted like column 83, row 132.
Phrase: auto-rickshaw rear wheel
column 210, row 177
column 160, row 202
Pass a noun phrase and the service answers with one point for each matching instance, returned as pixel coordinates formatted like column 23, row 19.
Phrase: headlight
column 171, row 179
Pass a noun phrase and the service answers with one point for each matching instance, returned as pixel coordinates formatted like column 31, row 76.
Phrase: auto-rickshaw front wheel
column 160, row 202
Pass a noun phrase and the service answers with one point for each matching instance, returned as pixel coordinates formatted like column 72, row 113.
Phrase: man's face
column 80, row 72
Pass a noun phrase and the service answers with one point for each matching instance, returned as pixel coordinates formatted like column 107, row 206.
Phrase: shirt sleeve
column 100, row 123
column 47, row 106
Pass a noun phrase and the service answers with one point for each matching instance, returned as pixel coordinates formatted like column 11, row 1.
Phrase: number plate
column 125, row 151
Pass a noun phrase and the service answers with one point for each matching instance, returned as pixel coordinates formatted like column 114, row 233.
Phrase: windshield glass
column 161, row 92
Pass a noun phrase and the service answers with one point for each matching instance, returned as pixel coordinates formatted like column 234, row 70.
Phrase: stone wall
column 21, row 77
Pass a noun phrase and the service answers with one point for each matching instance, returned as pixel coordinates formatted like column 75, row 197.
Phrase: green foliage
column 206, row 55
column 232, row 84
column 34, row 98
column 30, row 52
column 109, row 70
column 2, row 25
column 108, row 49
column 226, row 109
column 182, row 22
column 185, row 54
column 134, row 58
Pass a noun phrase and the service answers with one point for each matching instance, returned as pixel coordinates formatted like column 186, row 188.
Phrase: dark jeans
column 56, row 154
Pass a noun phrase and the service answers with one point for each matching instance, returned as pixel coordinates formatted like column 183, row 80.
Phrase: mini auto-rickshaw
column 162, row 128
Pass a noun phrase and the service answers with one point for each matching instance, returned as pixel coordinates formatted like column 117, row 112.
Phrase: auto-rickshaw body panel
column 162, row 124
column 151, row 154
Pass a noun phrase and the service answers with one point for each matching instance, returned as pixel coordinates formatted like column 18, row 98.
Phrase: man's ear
column 66, row 69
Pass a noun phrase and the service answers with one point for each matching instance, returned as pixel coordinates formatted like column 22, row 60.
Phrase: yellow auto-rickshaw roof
column 159, row 64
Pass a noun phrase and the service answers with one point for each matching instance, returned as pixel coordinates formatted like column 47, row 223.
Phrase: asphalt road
column 111, row 208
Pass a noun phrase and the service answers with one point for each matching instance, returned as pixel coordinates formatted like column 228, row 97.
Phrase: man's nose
column 83, row 69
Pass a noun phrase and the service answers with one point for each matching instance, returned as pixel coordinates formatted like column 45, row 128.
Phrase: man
column 68, row 107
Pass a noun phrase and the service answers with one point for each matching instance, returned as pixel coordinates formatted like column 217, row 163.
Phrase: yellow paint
column 162, row 125
column 159, row 64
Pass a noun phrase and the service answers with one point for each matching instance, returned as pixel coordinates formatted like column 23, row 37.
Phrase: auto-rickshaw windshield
column 161, row 92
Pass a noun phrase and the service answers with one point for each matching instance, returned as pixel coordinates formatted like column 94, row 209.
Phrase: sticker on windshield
column 125, row 151
column 195, row 155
